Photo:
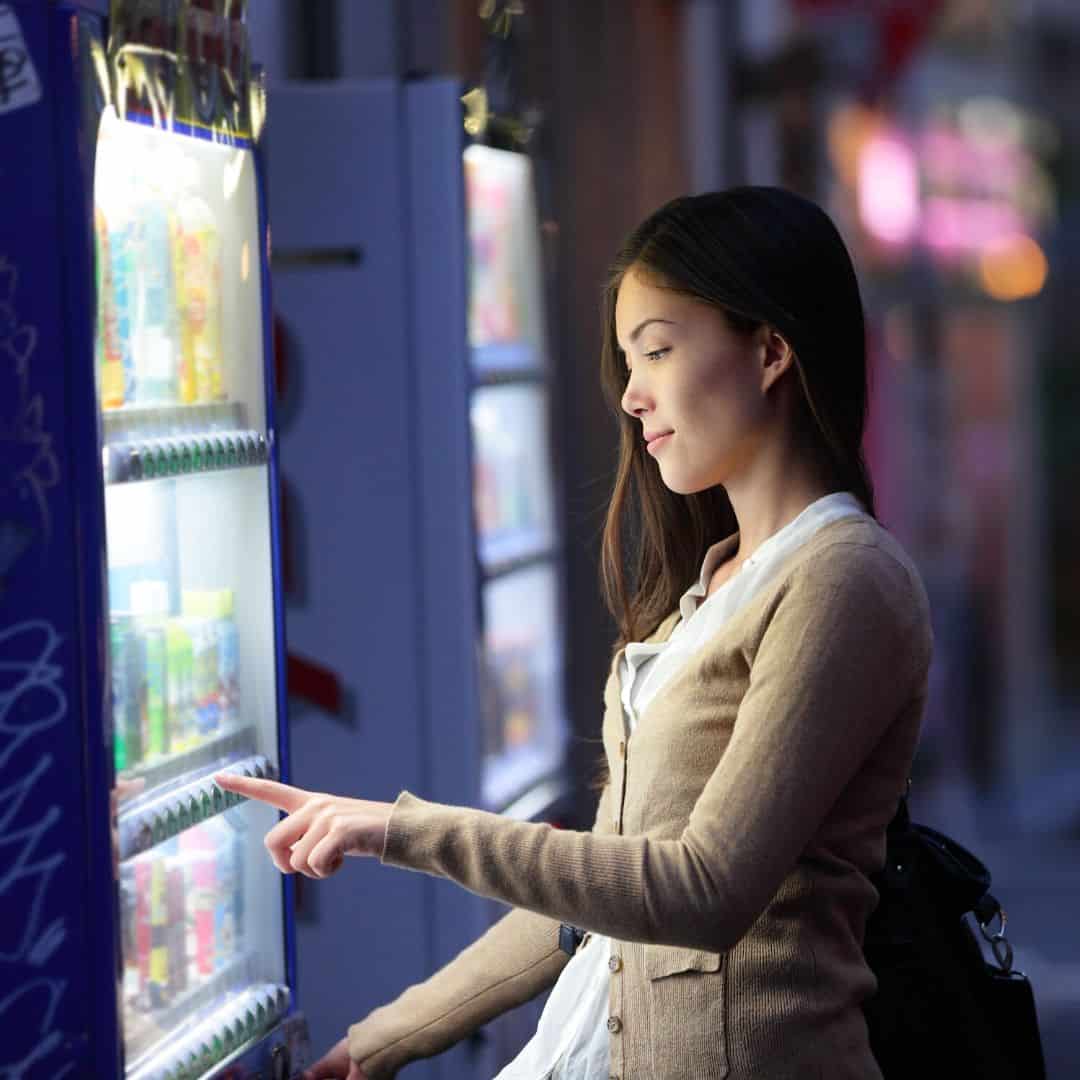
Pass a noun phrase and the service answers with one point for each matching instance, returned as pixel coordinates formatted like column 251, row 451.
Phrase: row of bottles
column 158, row 248
column 175, row 678
column 183, row 915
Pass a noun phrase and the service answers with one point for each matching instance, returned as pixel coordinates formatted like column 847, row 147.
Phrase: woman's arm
column 516, row 959
column 844, row 654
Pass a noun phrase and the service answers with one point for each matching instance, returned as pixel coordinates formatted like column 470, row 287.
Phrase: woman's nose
column 634, row 400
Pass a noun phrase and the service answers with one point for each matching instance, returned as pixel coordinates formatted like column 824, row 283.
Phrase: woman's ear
column 777, row 356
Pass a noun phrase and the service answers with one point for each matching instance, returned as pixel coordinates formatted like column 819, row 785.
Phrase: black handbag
column 940, row 1008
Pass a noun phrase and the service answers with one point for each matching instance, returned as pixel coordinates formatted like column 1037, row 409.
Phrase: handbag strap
column 985, row 907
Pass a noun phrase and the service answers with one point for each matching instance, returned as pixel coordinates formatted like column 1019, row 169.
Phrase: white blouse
column 571, row 1039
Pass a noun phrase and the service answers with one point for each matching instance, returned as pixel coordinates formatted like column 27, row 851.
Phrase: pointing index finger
column 283, row 796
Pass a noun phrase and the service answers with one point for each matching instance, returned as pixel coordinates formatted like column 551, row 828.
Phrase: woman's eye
column 656, row 354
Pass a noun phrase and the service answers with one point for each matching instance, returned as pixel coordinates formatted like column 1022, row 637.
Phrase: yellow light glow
column 850, row 128
column 1014, row 269
column 245, row 261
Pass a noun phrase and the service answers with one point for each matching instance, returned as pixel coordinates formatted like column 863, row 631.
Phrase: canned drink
column 228, row 674
column 206, row 665
column 128, row 923
column 183, row 731
column 176, row 910
column 141, row 935
column 159, row 934
column 155, row 662
column 126, row 712
column 200, row 860
column 227, row 901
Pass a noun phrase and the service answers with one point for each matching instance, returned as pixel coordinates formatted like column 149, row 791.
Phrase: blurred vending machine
column 146, row 933
column 411, row 305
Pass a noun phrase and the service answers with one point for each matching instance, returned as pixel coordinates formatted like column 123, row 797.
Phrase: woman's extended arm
column 842, row 656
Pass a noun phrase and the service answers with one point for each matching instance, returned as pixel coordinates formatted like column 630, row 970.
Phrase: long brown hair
column 763, row 256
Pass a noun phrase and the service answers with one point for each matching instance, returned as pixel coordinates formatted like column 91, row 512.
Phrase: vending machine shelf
column 132, row 422
column 510, row 550
column 233, row 743
column 506, row 361
column 167, row 456
column 163, row 815
column 228, row 1020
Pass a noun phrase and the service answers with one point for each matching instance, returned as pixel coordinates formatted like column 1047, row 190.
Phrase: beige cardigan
column 731, row 849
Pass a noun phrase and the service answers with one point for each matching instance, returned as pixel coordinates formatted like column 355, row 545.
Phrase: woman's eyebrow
column 636, row 332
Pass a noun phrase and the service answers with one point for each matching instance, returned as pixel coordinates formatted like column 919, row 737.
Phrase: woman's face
column 697, row 385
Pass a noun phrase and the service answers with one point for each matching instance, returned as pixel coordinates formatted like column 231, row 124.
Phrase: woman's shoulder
column 858, row 559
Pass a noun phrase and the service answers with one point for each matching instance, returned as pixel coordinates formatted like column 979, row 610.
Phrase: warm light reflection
column 1013, row 269
column 245, row 261
column 888, row 189
column 850, row 128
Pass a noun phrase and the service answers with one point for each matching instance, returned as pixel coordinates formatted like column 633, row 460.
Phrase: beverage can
column 176, row 914
column 226, row 928
column 127, row 688
column 141, row 935
column 228, row 656
column 200, row 859
column 159, row 934
column 155, row 660
column 128, row 923
column 183, row 730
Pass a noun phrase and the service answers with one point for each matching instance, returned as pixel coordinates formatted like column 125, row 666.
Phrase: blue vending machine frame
column 59, row 946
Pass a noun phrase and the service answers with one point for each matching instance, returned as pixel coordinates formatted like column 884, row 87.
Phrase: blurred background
column 941, row 135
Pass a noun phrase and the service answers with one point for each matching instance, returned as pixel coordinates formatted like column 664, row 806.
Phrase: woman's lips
column 658, row 441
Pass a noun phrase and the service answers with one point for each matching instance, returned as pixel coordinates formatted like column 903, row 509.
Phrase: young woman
column 761, row 713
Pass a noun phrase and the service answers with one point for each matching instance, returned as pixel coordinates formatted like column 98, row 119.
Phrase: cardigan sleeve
column 516, row 959
column 844, row 654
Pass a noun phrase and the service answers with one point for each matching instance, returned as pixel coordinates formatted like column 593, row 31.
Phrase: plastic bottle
column 156, row 345
column 107, row 347
column 114, row 199
column 228, row 649
column 197, row 269
column 150, row 603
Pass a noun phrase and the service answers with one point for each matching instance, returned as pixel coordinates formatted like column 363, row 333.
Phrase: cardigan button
column 614, row 963
column 614, row 1025
column 622, row 748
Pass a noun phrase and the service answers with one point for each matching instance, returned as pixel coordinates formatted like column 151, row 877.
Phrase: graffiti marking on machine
column 19, row 85
column 32, row 701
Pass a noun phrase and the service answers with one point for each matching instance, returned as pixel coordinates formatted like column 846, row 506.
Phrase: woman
column 759, row 724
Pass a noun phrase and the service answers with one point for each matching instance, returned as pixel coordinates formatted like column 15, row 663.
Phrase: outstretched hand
column 336, row 1065
column 320, row 829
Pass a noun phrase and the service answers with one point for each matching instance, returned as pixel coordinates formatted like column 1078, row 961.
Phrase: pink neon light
column 888, row 189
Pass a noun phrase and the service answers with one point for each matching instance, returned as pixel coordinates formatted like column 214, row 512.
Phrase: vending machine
column 410, row 298
column 147, row 935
